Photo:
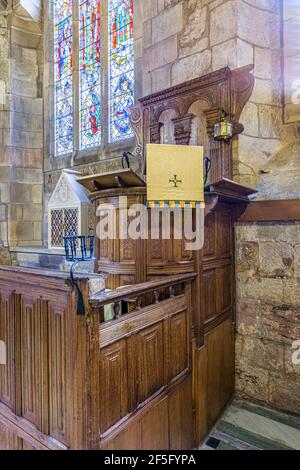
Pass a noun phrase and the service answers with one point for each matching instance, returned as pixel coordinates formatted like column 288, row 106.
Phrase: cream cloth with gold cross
column 175, row 176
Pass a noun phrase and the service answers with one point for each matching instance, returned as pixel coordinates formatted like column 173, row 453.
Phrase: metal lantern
column 223, row 129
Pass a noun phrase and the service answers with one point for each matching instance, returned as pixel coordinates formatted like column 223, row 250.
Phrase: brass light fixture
column 223, row 131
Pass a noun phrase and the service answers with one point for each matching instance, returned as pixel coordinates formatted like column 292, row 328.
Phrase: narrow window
column 63, row 51
column 90, row 73
column 121, row 68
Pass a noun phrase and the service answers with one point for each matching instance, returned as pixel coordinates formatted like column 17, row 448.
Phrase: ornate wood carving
column 242, row 84
column 136, row 119
column 271, row 211
column 155, row 133
column 223, row 89
column 183, row 129
column 212, row 116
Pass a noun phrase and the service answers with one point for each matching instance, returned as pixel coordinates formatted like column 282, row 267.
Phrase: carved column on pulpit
column 183, row 129
column 155, row 133
column 215, row 148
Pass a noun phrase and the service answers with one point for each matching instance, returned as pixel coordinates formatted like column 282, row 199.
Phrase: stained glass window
column 90, row 74
column 63, row 76
column 83, row 64
column 121, row 68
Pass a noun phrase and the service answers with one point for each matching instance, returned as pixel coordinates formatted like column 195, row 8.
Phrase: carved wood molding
column 242, row 84
column 272, row 211
column 137, row 126
column 188, row 87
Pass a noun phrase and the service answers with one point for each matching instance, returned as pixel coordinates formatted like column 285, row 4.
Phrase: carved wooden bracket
column 242, row 84
column 136, row 120
column 211, row 202
column 183, row 129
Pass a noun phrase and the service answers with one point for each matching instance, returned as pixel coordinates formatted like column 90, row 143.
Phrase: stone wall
column 291, row 34
column 21, row 159
column 268, row 313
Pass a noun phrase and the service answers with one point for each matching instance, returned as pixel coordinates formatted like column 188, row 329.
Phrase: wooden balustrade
column 140, row 295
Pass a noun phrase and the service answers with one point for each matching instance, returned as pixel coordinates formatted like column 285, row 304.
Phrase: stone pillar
column 4, row 153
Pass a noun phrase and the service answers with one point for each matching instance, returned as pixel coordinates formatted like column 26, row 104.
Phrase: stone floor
column 245, row 426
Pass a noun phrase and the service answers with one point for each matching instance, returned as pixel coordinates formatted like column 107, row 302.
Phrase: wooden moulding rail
column 272, row 211
column 122, row 293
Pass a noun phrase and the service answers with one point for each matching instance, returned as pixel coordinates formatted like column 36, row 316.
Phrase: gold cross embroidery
column 175, row 181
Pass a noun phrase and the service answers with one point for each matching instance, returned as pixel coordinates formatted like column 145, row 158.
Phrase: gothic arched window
column 93, row 52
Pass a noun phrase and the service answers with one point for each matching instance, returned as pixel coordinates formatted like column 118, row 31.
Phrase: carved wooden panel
column 58, row 373
column 183, row 253
column 179, row 345
column 156, row 248
column 128, row 439
column 155, row 428
column 140, row 259
column 181, row 417
column 223, row 288
column 8, row 335
column 114, row 384
column 126, row 280
column 166, row 424
column 27, row 446
column 104, row 249
column 209, row 294
column 127, row 247
column 156, row 252
column 150, row 360
column 33, row 359
column 220, row 363
column 8, row 439
column 224, row 232
column 209, row 250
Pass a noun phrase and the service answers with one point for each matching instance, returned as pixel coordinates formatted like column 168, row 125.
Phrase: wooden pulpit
column 159, row 375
